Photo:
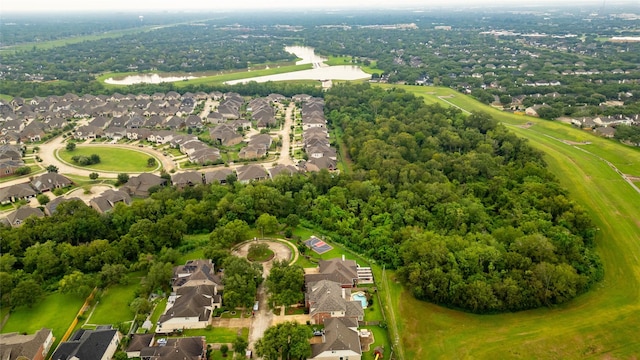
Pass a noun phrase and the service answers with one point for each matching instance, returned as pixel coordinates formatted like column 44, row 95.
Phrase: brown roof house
column 327, row 299
column 140, row 185
column 16, row 192
column 341, row 340
column 187, row 178
column 194, row 297
column 339, row 270
column 14, row 346
column 50, row 181
column 217, row 176
column 225, row 135
column 108, row 200
column 187, row 348
column 137, row 343
column 248, row 173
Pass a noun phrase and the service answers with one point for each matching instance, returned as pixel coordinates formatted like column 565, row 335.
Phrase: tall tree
column 288, row 340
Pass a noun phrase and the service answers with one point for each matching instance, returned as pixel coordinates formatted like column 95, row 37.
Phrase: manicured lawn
column 113, row 305
column 56, row 312
column 381, row 338
column 111, row 158
column 602, row 323
column 217, row 334
column 157, row 312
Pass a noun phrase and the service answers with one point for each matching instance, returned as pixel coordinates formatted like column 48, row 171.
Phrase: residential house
column 195, row 273
column 137, row 343
column 280, row 169
column 161, row 136
column 140, row 185
column 341, row 340
column 138, row 134
column 9, row 166
column 215, row 117
column 192, row 145
column 326, row 299
column 88, row 132
column 175, row 123
column 50, row 181
column 225, row 135
column 15, row 346
column 252, row 172
column 205, row 156
column 195, row 296
column 51, row 207
column 99, row 344
column 533, row 110
column 339, row 270
column 16, row 192
column 187, row 178
column 608, row 132
column 193, row 121
column 108, row 200
column 33, row 132
column 258, row 147
column 19, row 216
column 115, row 133
column 218, row 176
column 228, row 111
column 317, row 164
column 186, row 348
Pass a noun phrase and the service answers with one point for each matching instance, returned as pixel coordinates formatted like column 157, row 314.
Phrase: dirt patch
column 569, row 142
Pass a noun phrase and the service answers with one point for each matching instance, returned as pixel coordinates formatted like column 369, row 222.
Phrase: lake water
column 307, row 54
column 147, row 78
column 320, row 70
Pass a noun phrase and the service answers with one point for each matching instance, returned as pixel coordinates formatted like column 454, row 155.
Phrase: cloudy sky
column 153, row 5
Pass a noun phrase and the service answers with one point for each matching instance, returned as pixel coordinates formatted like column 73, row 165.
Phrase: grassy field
column 111, row 158
column 217, row 335
column 603, row 323
column 43, row 45
column 217, row 78
column 113, row 305
column 56, row 312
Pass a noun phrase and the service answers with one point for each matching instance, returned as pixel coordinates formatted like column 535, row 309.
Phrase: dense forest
column 465, row 211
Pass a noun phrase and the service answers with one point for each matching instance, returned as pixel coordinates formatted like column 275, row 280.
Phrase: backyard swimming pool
column 359, row 296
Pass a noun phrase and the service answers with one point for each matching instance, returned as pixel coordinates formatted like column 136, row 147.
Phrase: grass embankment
column 602, row 322
column 56, row 312
column 348, row 60
column 209, row 79
column 112, row 158
column 113, row 305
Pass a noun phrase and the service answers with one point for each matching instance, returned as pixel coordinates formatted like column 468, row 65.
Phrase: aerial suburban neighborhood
column 329, row 181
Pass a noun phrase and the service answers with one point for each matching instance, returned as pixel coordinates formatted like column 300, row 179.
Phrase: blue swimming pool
column 359, row 296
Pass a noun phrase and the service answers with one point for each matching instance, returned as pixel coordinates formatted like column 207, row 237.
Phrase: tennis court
column 318, row 245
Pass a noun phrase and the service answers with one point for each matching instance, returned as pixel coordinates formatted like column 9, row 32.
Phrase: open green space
column 113, row 305
column 56, row 312
column 43, row 45
column 218, row 78
column 217, row 334
column 381, row 338
column 158, row 310
column 111, row 158
column 601, row 323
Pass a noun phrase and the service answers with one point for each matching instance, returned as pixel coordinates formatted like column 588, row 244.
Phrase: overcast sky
column 154, row 5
